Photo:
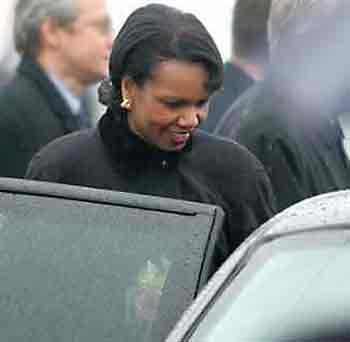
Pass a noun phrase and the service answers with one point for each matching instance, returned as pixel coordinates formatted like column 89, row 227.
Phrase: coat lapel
column 32, row 70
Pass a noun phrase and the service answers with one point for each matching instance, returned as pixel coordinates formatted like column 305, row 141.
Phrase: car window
column 290, row 287
column 77, row 271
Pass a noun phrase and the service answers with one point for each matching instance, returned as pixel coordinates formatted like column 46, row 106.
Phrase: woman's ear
column 128, row 93
column 127, row 88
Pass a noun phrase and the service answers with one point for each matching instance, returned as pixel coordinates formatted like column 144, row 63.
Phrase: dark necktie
column 83, row 118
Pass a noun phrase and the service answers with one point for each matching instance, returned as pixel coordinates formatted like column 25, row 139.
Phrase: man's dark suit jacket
column 236, row 81
column 231, row 120
column 301, row 149
column 32, row 113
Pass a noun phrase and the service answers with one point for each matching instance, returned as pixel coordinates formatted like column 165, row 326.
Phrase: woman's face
column 167, row 108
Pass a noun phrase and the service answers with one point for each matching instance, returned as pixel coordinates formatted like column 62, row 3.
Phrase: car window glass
column 290, row 287
column 79, row 271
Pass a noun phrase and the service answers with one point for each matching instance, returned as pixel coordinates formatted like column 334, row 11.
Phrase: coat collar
column 128, row 148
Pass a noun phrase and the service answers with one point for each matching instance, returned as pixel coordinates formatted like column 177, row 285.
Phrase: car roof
column 327, row 211
column 323, row 210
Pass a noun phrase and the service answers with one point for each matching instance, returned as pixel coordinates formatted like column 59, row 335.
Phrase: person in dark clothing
column 233, row 117
column 249, row 57
column 291, row 123
column 164, row 66
column 236, row 81
column 64, row 47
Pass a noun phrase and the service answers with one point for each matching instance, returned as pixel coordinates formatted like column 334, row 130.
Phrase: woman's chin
column 172, row 147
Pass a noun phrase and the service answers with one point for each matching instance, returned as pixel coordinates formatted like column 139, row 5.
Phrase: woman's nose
column 191, row 118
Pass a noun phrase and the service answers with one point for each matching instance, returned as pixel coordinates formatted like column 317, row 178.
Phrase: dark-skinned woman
column 164, row 67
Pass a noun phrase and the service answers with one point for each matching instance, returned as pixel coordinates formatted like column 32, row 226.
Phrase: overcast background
column 215, row 15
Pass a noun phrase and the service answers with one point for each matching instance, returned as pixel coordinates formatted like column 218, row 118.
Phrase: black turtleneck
column 124, row 145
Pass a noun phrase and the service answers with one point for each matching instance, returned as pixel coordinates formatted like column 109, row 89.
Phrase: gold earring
column 126, row 103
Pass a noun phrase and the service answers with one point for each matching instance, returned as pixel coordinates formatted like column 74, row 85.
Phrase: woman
column 164, row 66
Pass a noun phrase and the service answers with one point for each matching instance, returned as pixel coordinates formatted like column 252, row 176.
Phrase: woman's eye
column 203, row 105
column 179, row 104
column 173, row 105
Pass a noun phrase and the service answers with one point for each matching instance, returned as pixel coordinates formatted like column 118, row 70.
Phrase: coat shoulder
column 224, row 157
column 63, row 154
column 232, row 171
column 21, row 97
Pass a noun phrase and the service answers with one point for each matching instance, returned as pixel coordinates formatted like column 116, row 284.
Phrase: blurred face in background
column 168, row 107
column 8, row 56
column 84, row 46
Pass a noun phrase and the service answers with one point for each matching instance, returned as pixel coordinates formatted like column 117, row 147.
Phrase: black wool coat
column 32, row 113
column 209, row 170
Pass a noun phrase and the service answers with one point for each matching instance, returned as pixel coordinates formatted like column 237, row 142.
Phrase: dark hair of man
column 249, row 30
column 156, row 33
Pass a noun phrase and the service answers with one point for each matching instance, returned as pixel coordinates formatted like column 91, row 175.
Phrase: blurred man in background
column 249, row 56
column 292, row 122
column 8, row 55
column 64, row 47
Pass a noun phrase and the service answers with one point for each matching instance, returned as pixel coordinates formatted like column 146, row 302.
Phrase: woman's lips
column 180, row 138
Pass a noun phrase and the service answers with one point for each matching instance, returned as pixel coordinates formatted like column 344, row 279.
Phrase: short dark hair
column 249, row 30
column 156, row 33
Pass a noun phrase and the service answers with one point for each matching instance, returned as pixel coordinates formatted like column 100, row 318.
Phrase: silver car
column 288, row 282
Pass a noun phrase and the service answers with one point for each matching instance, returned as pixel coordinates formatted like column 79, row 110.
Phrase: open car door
column 81, row 264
